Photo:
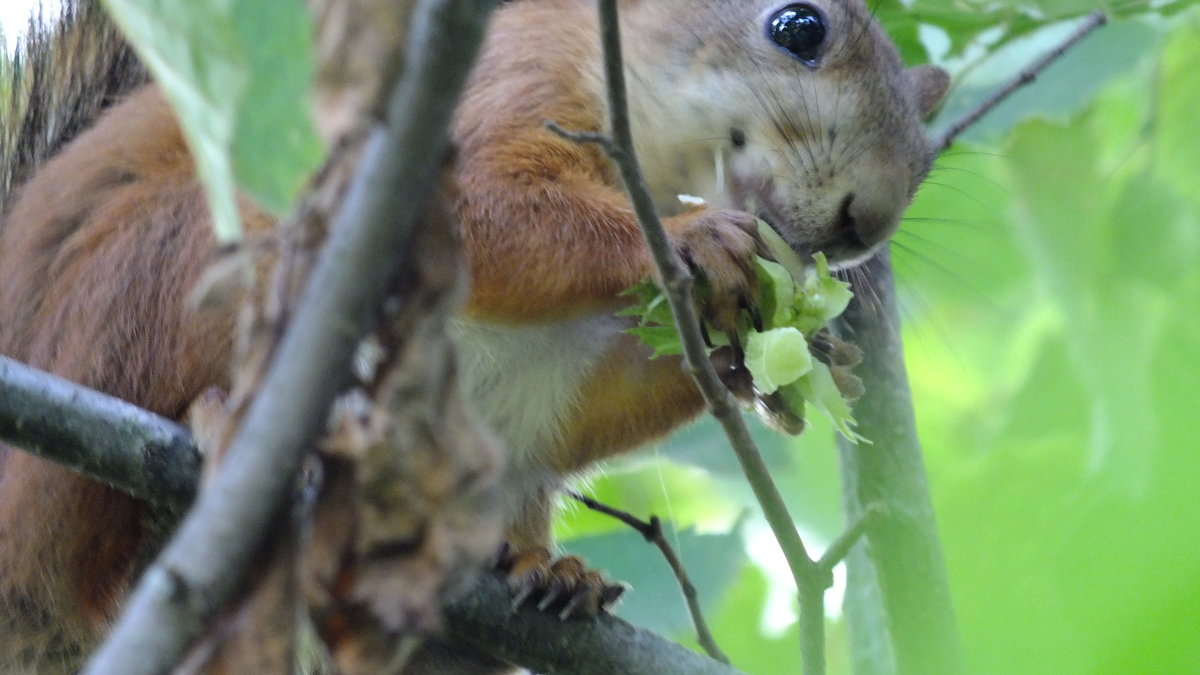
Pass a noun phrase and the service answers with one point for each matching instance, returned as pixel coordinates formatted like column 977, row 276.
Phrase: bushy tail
column 64, row 74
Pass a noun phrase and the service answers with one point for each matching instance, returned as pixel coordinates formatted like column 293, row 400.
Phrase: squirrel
column 799, row 112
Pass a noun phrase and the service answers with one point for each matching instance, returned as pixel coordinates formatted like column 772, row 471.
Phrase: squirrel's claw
column 719, row 247
column 756, row 318
column 565, row 585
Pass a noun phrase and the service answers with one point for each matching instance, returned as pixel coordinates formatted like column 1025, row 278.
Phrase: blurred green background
column 1049, row 280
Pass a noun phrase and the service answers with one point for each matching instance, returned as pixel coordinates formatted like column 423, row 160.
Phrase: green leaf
column 238, row 75
column 774, row 284
column 792, row 311
column 821, row 298
column 784, row 255
column 663, row 339
column 819, row 389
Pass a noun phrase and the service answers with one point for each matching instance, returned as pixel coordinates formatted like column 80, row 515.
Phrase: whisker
column 958, row 190
column 932, row 263
column 983, row 178
column 976, row 225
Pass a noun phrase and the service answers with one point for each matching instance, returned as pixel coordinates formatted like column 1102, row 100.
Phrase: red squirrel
column 797, row 112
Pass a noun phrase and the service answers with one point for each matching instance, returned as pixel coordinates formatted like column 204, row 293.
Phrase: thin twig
column 1029, row 74
column 677, row 285
column 652, row 531
column 841, row 546
column 647, row 530
column 603, row 140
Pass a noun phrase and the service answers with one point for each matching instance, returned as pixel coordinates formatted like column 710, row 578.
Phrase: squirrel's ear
column 930, row 83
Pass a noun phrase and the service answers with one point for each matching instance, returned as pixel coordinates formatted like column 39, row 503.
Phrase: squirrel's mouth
column 840, row 239
column 843, row 247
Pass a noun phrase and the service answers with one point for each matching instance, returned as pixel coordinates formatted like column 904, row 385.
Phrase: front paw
column 565, row 586
column 720, row 246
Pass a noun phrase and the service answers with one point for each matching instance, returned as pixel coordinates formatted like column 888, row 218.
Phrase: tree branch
column 203, row 565
column 898, row 604
column 840, row 548
column 901, row 617
column 528, row 637
column 677, row 283
column 543, row 643
column 811, row 580
column 132, row 449
column 652, row 531
column 1029, row 74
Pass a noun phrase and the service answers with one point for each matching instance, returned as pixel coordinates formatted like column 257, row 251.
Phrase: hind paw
column 564, row 586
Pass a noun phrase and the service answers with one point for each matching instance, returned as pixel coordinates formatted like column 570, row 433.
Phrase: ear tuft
column 930, row 84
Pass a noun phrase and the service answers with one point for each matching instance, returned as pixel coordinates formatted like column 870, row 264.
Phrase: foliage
column 795, row 301
column 1049, row 277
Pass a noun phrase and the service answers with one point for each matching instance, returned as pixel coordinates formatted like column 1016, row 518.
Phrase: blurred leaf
column 1076, row 243
column 742, row 613
column 1057, row 406
column 238, row 75
column 1178, row 92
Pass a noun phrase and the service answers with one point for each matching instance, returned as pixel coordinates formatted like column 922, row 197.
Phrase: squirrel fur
column 101, row 245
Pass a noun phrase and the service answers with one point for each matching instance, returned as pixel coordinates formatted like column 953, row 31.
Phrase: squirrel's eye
column 800, row 29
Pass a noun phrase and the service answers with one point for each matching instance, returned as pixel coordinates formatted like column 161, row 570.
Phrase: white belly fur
column 525, row 380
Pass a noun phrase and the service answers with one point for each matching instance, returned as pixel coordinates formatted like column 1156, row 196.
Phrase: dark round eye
column 800, row 29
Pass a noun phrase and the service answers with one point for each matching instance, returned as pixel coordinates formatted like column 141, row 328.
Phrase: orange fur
column 631, row 399
column 97, row 259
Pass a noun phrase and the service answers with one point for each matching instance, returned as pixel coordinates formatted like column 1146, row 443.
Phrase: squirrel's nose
column 868, row 219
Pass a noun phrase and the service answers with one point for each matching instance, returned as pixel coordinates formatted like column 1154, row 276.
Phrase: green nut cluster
column 796, row 300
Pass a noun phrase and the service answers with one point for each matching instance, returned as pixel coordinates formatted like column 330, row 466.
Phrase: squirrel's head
column 800, row 112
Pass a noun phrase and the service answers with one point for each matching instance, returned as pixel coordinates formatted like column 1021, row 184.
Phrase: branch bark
column 203, row 565
column 530, row 638
column 898, row 603
column 98, row 435
column 483, row 618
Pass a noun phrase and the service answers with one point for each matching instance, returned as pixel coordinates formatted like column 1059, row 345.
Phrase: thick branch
column 528, row 637
column 202, row 567
column 898, row 600
column 132, row 449
column 543, row 643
